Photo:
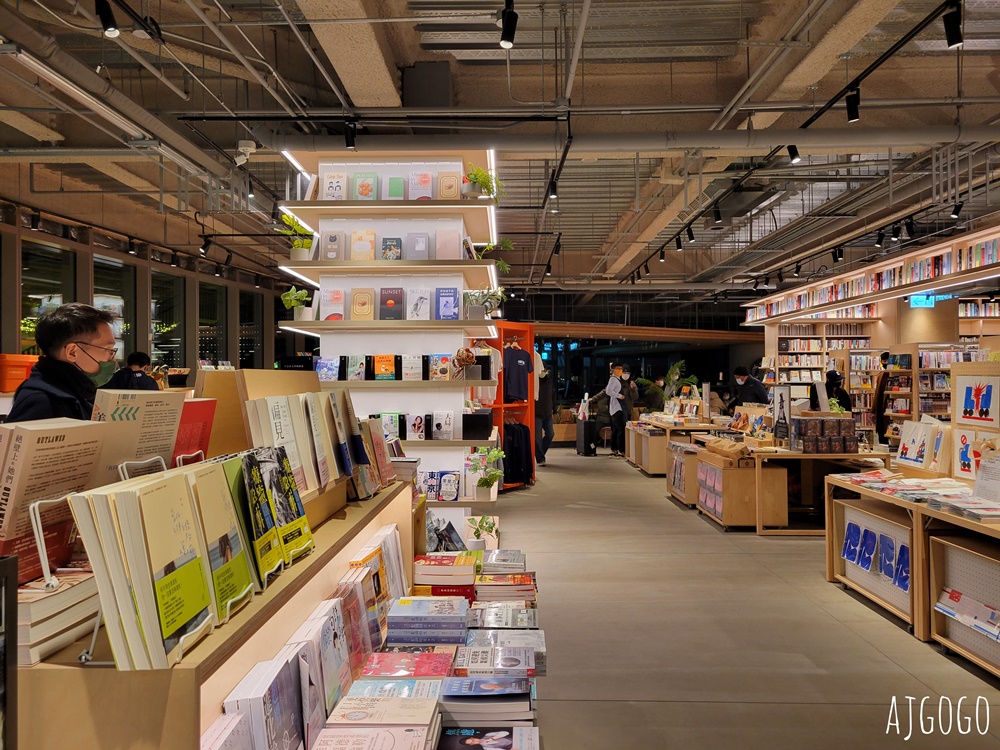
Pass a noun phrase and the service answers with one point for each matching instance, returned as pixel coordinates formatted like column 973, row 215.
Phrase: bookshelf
column 802, row 352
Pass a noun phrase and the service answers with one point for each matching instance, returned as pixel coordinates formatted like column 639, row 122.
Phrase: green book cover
column 395, row 191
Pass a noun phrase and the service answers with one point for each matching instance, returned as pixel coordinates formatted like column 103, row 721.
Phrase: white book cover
column 321, row 442
column 443, row 425
column 417, row 246
column 278, row 432
column 322, row 658
column 228, row 732
column 332, row 303
column 418, row 303
column 390, row 425
column 421, row 186
column 334, row 186
column 381, row 712
column 335, row 652
column 355, row 738
column 413, row 367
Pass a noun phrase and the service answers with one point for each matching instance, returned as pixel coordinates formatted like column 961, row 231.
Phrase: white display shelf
column 473, row 329
column 477, row 215
column 477, row 273
column 405, row 384
column 491, row 440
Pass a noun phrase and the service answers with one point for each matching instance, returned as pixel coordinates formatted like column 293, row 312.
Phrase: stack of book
column 472, row 701
column 420, row 714
column 500, row 561
column 533, row 639
column 228, row 732
column 507, row 587
column 509, row 736
column 269, row 698
column 494, row 661
column 446, row 575
column 48, row 621
column 395, row 688
column 416, row 620
column 406, row 665
column 345, row 737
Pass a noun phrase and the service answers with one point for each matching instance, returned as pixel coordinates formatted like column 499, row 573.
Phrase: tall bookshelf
column 396, row 210
column 803, row 352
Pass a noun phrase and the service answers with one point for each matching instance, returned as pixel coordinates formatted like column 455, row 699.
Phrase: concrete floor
column 663, row 631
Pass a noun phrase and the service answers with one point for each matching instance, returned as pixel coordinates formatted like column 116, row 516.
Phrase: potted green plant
column 489, row 475
column 502, row 244
column 481, row 302
column 302, row 244
column 483, row 526
column 479, row 183
column 296, row 300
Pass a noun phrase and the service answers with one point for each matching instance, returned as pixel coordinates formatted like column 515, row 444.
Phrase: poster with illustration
column 782, row 410
column 974, row 395
column 965, row 456
column 915, row 444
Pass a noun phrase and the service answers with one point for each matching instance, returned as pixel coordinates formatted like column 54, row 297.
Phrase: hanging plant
column 490, row 184
column 295, row 298
column 503, row 245
column 303, row 237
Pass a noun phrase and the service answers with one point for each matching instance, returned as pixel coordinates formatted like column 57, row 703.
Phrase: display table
column 682, row 476
column 727, row 494
column 646, row 448
column 946, row 551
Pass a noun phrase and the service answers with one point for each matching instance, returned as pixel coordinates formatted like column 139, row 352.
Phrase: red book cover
column 468, row 592
column 59, row 541
column 195, row 428
column 388, row 664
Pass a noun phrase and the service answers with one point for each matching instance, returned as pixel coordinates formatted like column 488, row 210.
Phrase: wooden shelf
column 472, row 329
column 465, row 502
column 477, row 273
column 405, row 384
column 478, row 215
column 451, row 443
column 898, row 415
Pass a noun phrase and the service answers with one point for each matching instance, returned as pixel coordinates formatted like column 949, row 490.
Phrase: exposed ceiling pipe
column 577, row 49
column 646, row 142
column 46, row 48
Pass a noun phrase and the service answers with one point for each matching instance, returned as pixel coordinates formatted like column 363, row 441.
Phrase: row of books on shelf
column 934, row 381
column 899, row 362
column 368, row 245
column 898, row 383
column 897, row 406
column 939, row 407
column 799, row 376
column 945, row 358
column 356, row 368
column 865, row 362
column 805, row 360
column 761, row 313
column 830, row 330
column 979, row 309
column 927, row 268
column 393, row 303
column 862, row 381
column 336, row 183
column 851, row 344
column 800, row 345
column 878, row 553
column 977, row 255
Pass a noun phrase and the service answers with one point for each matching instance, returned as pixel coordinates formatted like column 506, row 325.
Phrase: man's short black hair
column 138, row 358
column 885, row 356
column 69, row 322
column 741, row 371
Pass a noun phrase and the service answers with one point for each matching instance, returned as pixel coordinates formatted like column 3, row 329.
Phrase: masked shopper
column 544, row 408
column 749, row 390
column 78, row 352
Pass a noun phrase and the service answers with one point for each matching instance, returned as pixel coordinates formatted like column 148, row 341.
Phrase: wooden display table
column 564, row 433
column 682, row 474
column 100, row 708
column 727, row 494
column 647, row 452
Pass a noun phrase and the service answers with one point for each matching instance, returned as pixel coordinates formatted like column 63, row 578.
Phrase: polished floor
column 663, row 631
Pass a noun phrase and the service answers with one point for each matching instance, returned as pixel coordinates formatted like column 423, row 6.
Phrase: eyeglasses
column 112, row 353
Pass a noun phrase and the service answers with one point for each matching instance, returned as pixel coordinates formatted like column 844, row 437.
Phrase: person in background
column 78, row 352
column 545, row 404
column 749, row 390
column 878, row 401
column 834, row 391
column 716, row 403
column 134, row 376
column 616, row 408
column 629, row 390
column 655, row 397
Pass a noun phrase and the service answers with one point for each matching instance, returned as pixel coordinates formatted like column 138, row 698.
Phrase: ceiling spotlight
column 645, row 267
column 508, row 26
column 250, row 194
column 131, row 247
column 717, row 214
column 677, row 242
column 715, row 299
column 840, row 253
column 767, row 280
column 690, row 234
column 906, row 298
column 499, row 17
column 554, row 209
column 632, row 279
column 175, row 260
column 205, row 245
column 756, row 283
column 833, row 255
column 107, row 16
column 350, row 135
column 256, row 282
column 957, row 209
column 638, row 273
column 229, row 257
column 993, row 296
column 853, row 101
column 911, row 230
column 36, row 219
column 781, row 276
column 663, row 256
column 798, row 270
column 219, row 270
column 880, row 239
column 548, row 269
column 793, row 154
column 953, row 25
column 894, row 236
column 553, row 191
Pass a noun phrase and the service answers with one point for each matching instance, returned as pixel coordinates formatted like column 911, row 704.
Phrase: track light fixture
column 840, row 253
column 911, row 230
column 229, row 257
column 767, row 280
column 880, row 239
column 638, row 273
column 952, row 20
column 553, row 209
column 894, row 236
column 833, row 255
column 175, row 260
column 508, row 26
column 107, row 17
column 219, row 270
column 957, row 209
column 663, row 255
column 678, row 243
column 206, row 245
column 993, row 296
column 548, row 269
column 557, row 248
column 793, row 154
column 853, row 101
column 553, row 190
column 717, row 214
column 250, row 194
column 632, row 279
column 798, row 270
column 256, row 282
column 756, row 283
column 351, row 135
column 132, row 250
column 645, row 267
column 715, row 299
column 906, row 298
column 36, row 220
column 781, row 276
column 690, row 234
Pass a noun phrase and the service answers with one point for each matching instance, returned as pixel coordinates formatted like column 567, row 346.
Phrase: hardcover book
column 411, row 666
column 486, row 735
column 395, row 190
column 421, row 186
column 365, row 186
column 390, row 303
column 334, row 186
column 333, row 246
column 395, row 688
column 356, row 368
column 446, row 303
column 443, row 425
column 506, row 661
column 448, row 245
column 413, row 367
column 385, row 366
column 363, row 304
column 392, row 248
column 418, row 303
column 415, row 427
column 417, row 246
column 449, row 186
column 331, row 304
column 262, row 528
column 363, row 244
column 380, row 712
column 440, row 367
column 328, row 370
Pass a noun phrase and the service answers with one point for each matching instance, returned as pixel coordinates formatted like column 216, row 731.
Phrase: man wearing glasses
column 78, row 353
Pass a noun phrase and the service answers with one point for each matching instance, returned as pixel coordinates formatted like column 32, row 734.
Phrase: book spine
column 427, row 621
column 10, row 481
column 423, row 636
column 440, row 625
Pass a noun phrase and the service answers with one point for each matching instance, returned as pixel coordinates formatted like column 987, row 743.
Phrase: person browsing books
column 749, row 390
column 834, row 390
column 544, row 408
column 78, row 352
column 134, row 376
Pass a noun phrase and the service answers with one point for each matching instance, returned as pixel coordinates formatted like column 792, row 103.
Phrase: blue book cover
column 453, row 687
column 901, row 578
column 852, row 540
column 451, row 608
column 866, row 552
column 328, row 369
column 395, row 689
column 446, row 303
column 886, row 555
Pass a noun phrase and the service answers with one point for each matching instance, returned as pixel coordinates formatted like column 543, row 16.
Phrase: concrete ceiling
column 642, row 68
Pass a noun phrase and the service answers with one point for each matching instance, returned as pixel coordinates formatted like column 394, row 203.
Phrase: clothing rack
column 521, row 335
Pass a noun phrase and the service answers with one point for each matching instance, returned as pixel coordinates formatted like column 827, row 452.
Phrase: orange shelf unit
column 522, row 412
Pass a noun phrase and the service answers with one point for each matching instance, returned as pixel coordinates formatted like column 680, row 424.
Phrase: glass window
column 167, row 316
column 212, row 323
column 47, row 281
column 251, row 330
column 114, row 291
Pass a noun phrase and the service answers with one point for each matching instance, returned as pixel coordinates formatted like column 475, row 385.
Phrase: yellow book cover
column 259, row 519
column 363, row 244
column 294, row 533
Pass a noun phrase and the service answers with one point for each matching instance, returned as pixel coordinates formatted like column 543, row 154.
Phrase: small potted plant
column 478, row 183
column 302, row 245
column 482, row 527
column 296, row 300
column 483, row 464
column 504, row 245
column 482, row 302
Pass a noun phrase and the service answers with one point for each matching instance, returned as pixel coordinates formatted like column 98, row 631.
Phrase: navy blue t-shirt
column 517, row 366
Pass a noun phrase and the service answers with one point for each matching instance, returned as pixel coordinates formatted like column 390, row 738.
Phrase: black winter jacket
column 53, row 389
